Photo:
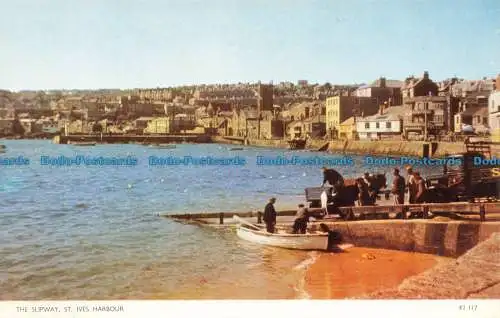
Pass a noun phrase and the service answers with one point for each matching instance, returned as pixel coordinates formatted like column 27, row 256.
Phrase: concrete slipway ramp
column 475, row 274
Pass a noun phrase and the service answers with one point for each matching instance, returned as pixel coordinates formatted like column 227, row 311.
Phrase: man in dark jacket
column 420, row 187
column 363, row 193
column 270, row 215
column 398, row 187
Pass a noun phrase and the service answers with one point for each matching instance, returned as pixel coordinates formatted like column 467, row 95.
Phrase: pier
column 123, row 139
column 459, row 210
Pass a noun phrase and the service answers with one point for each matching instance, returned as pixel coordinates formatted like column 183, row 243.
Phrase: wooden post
column 259, row 217
column 403, row 212
column 425, row 212
column 221, row 218
column 482, row 213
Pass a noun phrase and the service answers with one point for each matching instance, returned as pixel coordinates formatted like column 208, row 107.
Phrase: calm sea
column 93, row 232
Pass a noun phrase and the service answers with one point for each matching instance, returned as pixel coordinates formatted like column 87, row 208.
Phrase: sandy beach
column 360, row 271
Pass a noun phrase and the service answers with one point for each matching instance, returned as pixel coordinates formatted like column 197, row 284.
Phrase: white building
column 388, row 123
column 494, row 112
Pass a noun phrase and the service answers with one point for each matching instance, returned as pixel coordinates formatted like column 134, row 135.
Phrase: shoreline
column 384, row 271
column 360, row 271
column 432, row 149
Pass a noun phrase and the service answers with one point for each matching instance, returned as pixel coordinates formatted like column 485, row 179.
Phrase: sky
column 73, row 44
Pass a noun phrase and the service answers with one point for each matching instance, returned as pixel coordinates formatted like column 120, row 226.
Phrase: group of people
column 415, row 185
column 300, row 221
column 366, row 191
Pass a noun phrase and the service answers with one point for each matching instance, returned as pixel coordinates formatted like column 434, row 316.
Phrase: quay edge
column 361, row 147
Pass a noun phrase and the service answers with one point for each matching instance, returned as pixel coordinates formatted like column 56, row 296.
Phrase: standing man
column 420, row 188
column 398, row 187
column 411, row 184
column 270, row 215
column 363, row 194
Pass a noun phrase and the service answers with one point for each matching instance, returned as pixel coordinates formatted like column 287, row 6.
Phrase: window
column 388, row 125
column 367, row 125
column 377, row 125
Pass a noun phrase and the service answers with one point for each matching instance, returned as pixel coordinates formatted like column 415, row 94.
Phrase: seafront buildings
column 494, row 112
column 414, row 108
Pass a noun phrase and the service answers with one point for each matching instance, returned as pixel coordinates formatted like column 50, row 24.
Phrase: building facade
column 347, row 129
column 494, row 112
column 429, row 115
column 158, row 125
column 415, row 87
column 340, row 108
column 477, row 117
column 387, row 124
column 383, row 90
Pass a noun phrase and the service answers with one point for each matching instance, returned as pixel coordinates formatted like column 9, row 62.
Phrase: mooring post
column 221, row 218
column 425, row 212
column 482, row 213
column 403, row 212
column 259, row 217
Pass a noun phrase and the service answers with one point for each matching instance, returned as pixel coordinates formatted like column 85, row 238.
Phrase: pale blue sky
column 47, row 44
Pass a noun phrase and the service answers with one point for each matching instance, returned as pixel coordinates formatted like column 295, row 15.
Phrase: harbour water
column 76, row 232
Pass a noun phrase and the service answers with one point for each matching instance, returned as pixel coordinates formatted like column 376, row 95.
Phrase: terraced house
column 494, row 112
column 340, row 108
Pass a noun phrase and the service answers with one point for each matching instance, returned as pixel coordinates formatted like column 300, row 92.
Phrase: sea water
column 93, row 231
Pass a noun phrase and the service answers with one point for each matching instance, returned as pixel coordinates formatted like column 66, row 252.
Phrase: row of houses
column 413, row 109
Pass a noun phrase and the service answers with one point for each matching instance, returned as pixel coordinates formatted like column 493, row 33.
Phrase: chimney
column 426, row 75
column 382, row 82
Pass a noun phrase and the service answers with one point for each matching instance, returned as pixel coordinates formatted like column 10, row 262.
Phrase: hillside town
column 415, row 108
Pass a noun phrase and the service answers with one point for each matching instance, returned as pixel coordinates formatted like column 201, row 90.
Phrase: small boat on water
column 310, row 241
column 2, row 146
column 236, row 148
column 297, row 143
column 163, row 146
column 83, row 143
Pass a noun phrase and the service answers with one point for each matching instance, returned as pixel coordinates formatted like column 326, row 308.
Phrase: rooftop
column 390, row 113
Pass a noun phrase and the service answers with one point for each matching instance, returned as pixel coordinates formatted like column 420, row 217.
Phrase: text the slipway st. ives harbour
column 92, row 233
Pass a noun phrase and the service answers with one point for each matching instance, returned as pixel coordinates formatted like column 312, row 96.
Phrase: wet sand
column 360, row 271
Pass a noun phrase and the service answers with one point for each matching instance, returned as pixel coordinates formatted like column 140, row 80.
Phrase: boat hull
column 289, row 241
